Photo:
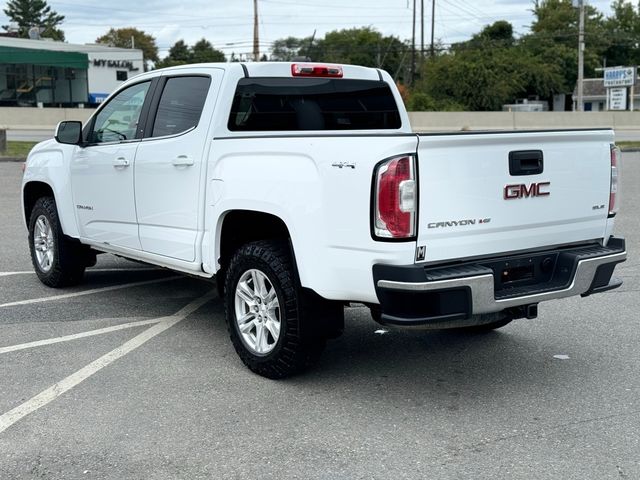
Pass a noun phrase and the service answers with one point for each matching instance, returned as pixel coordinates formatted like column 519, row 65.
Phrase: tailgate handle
column 526, row 162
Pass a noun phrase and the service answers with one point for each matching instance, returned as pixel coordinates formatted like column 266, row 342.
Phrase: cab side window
column 180, row 105
column 118, row 120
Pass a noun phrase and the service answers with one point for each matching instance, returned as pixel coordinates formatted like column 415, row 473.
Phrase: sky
column 228, row 25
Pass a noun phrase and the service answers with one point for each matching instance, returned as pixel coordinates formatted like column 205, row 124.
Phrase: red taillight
column 313, row 70
column 395, row 198
column 614, row 194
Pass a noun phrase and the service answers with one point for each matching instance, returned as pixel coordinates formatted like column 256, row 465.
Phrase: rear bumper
column 414, row 295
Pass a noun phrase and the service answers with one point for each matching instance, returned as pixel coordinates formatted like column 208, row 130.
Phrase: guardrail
column 25, row 118
column 447, row 121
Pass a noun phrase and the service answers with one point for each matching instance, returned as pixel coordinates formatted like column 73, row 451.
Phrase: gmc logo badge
column 512, row 192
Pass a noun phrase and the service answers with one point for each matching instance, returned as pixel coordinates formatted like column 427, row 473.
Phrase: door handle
column 526, row 162
column 182, row 160
column 120, row 162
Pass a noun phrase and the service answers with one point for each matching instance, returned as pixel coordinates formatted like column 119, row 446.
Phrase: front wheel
column 265, row 312
column 58, row 261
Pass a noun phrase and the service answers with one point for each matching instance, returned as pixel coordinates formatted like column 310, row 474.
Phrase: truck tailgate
column 472, row 204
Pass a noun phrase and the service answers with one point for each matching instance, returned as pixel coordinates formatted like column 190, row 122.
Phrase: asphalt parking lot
column 132, row 375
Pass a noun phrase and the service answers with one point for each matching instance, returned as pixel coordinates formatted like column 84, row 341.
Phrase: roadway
column 132, row 375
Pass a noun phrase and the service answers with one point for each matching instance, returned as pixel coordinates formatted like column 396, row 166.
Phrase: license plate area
column 514, row 272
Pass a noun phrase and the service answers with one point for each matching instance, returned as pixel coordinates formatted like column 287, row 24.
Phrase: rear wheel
column 57, row 260
column 265, row 312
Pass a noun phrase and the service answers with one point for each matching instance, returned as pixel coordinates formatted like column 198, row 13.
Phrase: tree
column 554, row 37
column 623, row 31
column 498, row 34
column 485, row 72
column 34, row 13
column 122, row 37
column 201, row 52
column 362, row 46
column 286, row 49
column 179, row 54
column 500, row 31
column 358, row 46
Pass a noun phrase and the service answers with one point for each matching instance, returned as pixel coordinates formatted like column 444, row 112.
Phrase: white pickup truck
column 300, row 188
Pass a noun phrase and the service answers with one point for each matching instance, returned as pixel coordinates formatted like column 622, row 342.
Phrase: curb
column 12, row 159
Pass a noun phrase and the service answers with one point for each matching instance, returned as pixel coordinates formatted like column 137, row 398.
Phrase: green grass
column 625, row 145
column 17, row 149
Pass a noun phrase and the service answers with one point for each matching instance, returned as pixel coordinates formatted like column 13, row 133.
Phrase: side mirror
column 69, row 132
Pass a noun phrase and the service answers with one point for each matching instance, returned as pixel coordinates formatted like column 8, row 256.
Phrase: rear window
column 277, row 104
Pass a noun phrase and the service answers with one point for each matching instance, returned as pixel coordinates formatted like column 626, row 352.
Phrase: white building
column 49, row 73
column 594, row 96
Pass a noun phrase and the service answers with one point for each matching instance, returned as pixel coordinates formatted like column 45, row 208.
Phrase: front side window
column 118, row 120
column 180, row 105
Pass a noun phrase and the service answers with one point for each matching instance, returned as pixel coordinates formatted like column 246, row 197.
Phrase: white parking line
column 31, row 272
column 66, row 338
column 6, row 274
column 54, row 391
column 87, row 292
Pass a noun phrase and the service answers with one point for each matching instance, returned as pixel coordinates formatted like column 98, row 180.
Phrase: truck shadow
column 439, row 368
column 444, row 368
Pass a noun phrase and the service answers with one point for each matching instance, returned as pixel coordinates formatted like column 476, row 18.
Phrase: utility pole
column 433, row 26
column 580, row 105
column 413, row 45
column 421, row 30
column 256, row 41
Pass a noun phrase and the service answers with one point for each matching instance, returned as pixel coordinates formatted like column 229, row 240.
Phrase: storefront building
column 56, row 74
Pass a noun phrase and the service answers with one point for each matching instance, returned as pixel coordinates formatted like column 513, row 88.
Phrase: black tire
column 69, row 258
column 299, row 345
column 220, row 279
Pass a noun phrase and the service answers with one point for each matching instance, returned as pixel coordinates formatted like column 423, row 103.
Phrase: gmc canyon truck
column 300, row 187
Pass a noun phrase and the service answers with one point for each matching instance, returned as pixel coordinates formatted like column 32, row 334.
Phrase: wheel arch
column 240, row 226
column 37, row 186
column 31, row 192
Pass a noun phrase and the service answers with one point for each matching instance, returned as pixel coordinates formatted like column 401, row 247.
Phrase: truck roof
column 283, row 69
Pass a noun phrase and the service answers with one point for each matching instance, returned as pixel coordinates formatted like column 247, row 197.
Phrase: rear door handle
column 120, row 162
column 182, row 161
